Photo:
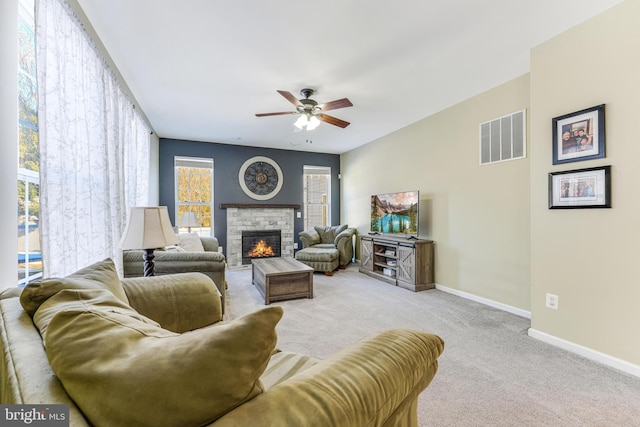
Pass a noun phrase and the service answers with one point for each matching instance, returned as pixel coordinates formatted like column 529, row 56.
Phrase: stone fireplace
column 257, row 217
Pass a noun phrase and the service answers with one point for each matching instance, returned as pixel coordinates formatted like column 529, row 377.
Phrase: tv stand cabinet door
column 366, row 254
column 407, row 264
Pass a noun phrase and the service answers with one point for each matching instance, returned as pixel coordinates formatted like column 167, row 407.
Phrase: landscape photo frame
column 579, row 136
column 580, row 188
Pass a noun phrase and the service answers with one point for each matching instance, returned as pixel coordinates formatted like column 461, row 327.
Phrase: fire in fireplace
column 260, row 244
column 261, row 249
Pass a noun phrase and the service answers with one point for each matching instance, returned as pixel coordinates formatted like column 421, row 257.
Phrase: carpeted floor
column 491, row 373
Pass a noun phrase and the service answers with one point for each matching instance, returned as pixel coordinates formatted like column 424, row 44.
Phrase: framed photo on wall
column 579, row 136
column 580, row 188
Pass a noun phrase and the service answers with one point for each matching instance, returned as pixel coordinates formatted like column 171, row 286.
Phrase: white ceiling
column 201, row 69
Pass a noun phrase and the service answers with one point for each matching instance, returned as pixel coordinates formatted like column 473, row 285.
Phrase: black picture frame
column 580, row 188
column 586, row 136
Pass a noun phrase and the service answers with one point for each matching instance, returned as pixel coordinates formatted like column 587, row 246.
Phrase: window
column 317, row 196
column 194, row 193
column 29, row 255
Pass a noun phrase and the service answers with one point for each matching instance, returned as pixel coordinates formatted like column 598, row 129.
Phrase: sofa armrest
column 210, row 244
column 344, row 244
column 345, row 237
column 309, row 238
column 373, row 382
column 178, row 302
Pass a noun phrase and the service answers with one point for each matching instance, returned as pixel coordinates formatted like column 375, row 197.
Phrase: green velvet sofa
column 154, row 351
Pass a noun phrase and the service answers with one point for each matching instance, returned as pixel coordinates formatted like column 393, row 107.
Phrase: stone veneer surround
column 257, row 218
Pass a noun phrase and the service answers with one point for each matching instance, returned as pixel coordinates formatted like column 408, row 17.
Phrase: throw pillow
column 190, row 242
column 101, row 275
column 94, row 299
column 121, row 371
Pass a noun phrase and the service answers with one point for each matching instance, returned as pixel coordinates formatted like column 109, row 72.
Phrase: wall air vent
column 504, row 138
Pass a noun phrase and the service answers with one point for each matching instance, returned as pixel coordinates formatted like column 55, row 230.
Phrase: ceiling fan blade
column 333, row 121
column 281, row 113
column 334, row 105
column 292, row 99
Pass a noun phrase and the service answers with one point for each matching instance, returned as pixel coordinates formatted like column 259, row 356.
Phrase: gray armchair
column 339, row 237
column 210, row 262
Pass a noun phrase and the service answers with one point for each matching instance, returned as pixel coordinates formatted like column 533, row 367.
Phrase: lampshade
column 189, row 219
column 148, row 228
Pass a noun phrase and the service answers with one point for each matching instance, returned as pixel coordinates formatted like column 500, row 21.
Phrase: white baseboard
column 486, row 301
column 586, row 352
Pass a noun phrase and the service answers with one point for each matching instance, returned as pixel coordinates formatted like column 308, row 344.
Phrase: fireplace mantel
column 257, row 206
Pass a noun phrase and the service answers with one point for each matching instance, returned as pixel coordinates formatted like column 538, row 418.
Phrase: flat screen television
column 395, row 213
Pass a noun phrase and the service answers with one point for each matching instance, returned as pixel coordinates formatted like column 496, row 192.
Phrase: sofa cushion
column 190, row 242
column 101, row 275
column 328, row 233
column 284, row 365
column 316, row 254
column 122, row 371
column 325, row 246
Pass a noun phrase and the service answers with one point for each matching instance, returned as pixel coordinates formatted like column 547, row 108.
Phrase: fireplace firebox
column 260, row 244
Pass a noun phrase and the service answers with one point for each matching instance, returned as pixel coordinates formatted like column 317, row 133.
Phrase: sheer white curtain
column 94, row 146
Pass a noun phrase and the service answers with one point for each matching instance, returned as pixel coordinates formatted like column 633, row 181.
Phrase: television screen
column 395, row 213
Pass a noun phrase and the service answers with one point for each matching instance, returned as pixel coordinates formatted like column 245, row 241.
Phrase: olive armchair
column 338, row 237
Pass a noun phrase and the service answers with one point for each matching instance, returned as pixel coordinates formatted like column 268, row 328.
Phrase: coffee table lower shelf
column 280, row 279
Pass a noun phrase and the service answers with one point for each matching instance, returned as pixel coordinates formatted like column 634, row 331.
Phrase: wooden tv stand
column 398, row 260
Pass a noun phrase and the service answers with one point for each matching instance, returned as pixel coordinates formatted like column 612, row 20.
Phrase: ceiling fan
column 311, row 112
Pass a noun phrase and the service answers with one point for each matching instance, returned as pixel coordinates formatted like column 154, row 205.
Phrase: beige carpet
column 491, row 373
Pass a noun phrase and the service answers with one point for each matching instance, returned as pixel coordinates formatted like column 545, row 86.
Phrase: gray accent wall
column 227, row 160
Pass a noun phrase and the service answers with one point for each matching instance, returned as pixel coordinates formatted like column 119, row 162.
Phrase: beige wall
column 478, row 216
column 495, row 236
column 589, row 257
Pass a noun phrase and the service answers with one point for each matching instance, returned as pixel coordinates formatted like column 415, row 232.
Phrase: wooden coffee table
column 282, row 278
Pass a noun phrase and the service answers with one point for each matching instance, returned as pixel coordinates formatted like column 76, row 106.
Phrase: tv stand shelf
column 398, row 260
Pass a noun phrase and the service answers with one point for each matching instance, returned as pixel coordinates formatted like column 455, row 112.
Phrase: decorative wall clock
column 260, row 178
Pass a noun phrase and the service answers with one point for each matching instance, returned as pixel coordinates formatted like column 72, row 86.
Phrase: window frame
column 206, row 163
column 308, row 172
column 31, row 266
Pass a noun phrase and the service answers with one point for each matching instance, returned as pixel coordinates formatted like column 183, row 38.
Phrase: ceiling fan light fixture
column 311, row 113
column 301, row 123
column 307, row 121
column 313, row 123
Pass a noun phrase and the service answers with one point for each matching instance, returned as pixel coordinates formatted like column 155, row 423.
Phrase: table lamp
column 189, row 219
column 148, row 228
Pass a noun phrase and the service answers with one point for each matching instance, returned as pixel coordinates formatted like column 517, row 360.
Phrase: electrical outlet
column 220, row 249
column 552, row 301
column 295, row 245
column 299, row 214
